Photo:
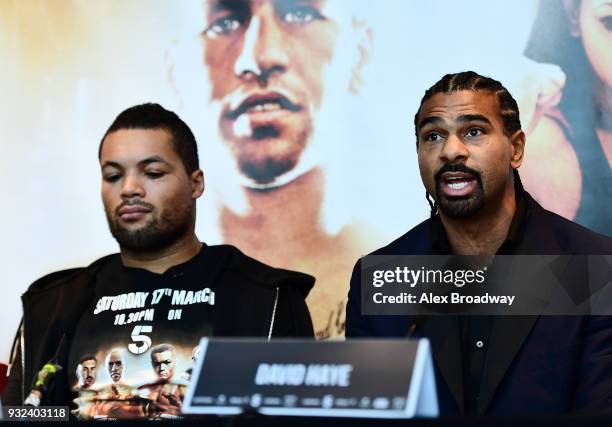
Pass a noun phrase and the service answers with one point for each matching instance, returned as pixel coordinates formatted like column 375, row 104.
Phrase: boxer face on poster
column 115, row 366
column 86, row 371
column 267, row 62
column 163, row 364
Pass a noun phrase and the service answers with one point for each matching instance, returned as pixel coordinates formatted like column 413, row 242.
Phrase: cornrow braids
column 470, row 80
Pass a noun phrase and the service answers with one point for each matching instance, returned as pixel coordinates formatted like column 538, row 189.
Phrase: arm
column 356, row 324
column 593, row 392
column 541, row 170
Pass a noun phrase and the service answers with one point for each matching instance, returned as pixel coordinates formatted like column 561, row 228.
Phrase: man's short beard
column 155, row 235
column 460, row 207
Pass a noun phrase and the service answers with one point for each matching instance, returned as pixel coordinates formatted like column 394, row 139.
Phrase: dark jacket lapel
column 507, row 338
column 510, row 332
column 443, row 332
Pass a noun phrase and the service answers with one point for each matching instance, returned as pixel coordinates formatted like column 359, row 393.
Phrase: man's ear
column 197, row 183
column 365, row 38
column 572, row 10
column 517, row 144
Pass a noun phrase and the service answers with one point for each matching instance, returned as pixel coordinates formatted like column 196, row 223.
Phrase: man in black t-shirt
column 144, row 310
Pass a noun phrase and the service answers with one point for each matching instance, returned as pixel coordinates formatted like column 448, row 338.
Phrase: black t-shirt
column 134, row 348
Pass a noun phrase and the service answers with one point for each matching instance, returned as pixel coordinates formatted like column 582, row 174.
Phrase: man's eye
column 112, row 178
column 154, row 174
column 474, row 132
column 301, row 15
column 222, row 27
column 607, row 22
column 433, row 137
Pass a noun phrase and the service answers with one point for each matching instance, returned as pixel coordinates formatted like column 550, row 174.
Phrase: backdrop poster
column 334, row 175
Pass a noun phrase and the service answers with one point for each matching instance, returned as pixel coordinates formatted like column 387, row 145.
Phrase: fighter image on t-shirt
column 135, row 347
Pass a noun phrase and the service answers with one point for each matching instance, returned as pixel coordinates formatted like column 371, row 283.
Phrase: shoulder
column 63, row 278
column 540, row 170
column 256, row 272
column 552, row 128
column 581, row 239
column 552, row 134
column 567, row 235
column 415, row 242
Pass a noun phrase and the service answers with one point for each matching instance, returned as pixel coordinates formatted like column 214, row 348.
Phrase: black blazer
column 534, row 364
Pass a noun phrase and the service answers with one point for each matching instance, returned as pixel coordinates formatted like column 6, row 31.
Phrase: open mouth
column 263, row 103
column 457, row 184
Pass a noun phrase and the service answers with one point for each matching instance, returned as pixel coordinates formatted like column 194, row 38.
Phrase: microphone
column 417, row 322
column 44, row 382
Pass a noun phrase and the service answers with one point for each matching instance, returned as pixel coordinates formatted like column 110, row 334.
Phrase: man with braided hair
column 470, row 145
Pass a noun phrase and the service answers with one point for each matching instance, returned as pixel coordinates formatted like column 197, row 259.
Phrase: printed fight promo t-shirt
column 133, row 351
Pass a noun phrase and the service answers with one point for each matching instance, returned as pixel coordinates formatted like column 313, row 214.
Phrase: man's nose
column 454, row 150
column 263, row 51
column 132, row 187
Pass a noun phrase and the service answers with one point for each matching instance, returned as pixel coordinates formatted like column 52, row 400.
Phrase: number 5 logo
column 142, row 341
